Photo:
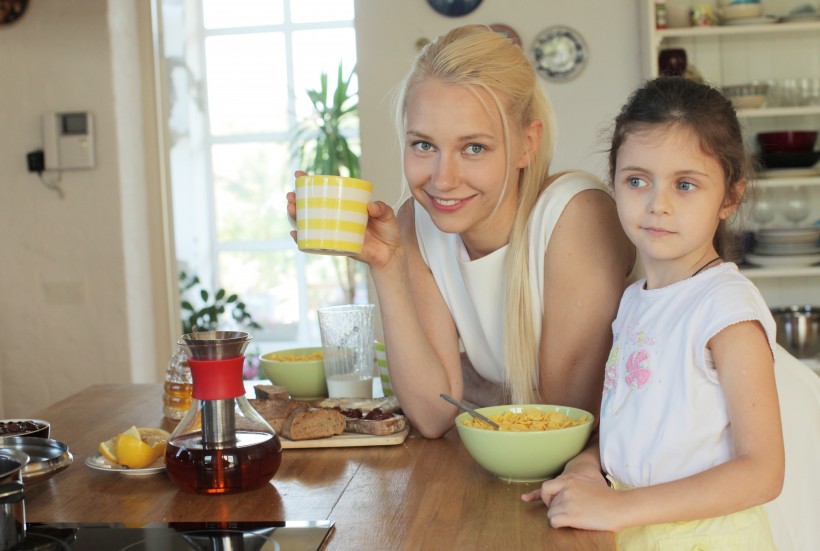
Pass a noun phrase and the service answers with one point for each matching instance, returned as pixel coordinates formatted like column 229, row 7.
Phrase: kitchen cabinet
column 738, row 54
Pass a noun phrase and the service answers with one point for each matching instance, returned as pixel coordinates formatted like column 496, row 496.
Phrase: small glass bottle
column 176, row 398
column 660, row 14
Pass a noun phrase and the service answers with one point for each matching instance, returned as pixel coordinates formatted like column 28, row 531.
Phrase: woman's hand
column 382, row 236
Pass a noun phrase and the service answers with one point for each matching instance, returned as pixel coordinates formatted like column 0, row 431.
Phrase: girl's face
column 456, row 164
column 670, row 197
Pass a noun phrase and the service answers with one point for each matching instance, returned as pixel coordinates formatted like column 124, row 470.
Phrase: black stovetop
column 177, row 536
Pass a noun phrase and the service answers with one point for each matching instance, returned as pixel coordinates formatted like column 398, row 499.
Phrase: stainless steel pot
column 12, row 504
column 798, row 330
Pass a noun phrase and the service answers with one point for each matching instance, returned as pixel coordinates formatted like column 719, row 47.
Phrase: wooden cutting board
column 347, row 440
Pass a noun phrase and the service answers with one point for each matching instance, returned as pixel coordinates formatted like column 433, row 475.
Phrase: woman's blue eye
column 474, row 149
column 423, row 146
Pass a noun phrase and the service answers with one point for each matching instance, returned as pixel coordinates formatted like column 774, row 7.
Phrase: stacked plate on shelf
column 786, row 247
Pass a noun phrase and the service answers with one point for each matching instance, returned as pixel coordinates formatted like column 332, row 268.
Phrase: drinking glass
column 764, row 209
column 347, row 342
column 796, row 204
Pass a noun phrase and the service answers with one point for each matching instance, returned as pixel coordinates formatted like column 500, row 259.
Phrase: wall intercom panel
column 68, row 140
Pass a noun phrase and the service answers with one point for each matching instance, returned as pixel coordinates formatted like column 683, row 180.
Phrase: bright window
column 237, row 73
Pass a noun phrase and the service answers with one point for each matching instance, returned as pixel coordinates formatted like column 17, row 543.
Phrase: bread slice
column 388, row 403
column 310, row 423
column 381, row 427
column 271, row 392
column 276, row 411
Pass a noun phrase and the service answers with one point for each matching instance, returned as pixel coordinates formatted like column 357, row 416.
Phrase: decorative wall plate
column 12, row 10
column 560, row 53
column 454, row 8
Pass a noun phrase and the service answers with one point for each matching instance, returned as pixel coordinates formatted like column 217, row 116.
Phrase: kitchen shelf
column 779, row 112
column 735, row 30
column 732, row 54
column 753, row 272
column 767, row 182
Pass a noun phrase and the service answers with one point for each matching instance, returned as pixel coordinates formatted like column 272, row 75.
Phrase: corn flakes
column 313, row 356
column 530, row 419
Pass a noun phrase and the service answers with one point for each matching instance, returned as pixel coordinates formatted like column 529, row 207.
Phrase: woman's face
column 455, row 163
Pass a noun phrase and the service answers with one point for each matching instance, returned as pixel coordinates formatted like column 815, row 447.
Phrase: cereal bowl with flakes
column 300, row 370
column 534, row 442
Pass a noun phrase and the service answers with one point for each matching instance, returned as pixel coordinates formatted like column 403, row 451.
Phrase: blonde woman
column 497, row 282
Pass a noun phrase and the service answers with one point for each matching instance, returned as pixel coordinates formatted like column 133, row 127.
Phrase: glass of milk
column 347, row 341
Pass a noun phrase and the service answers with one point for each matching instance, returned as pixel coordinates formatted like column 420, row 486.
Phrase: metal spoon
column 469, row 410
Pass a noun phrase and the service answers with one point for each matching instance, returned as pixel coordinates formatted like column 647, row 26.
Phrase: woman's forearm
column 417, row 374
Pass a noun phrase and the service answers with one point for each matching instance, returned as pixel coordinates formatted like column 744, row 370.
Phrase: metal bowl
column 798, row 330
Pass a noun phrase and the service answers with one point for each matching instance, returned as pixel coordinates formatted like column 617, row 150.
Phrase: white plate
column 780, row 249
column 788, row 236
column 801, row 17
column 765, row 20
column 100, row 463
column 782, row 261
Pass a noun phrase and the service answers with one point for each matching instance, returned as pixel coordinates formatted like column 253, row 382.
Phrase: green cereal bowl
column 305, row 380
column 525, row 456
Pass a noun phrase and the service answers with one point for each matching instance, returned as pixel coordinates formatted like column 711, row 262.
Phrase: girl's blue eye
column 686, row 186
column 635, row 182
column 474, row 149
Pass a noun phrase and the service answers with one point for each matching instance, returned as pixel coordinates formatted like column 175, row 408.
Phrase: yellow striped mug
column 331, row 214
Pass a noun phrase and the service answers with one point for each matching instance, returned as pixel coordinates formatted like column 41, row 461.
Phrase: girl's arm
column 754, row 476
column 587, row 263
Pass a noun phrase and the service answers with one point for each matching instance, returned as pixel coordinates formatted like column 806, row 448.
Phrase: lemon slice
column 136, row 447
column 108, row 449
column 134, row 453
column 156, row 438
column 133, row 432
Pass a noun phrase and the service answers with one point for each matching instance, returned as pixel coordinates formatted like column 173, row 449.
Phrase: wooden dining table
column 421, row 494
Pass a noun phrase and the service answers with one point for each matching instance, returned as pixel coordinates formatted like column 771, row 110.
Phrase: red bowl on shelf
column 794, row 140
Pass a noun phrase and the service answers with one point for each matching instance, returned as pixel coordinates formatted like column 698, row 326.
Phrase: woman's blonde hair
column 478, row 58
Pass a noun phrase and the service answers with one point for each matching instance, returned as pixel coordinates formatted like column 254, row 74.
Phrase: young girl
column 690, row 436
column 496, row 280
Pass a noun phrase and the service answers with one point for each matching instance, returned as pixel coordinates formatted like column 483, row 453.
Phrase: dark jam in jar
column 247, row 464
column 11, row 428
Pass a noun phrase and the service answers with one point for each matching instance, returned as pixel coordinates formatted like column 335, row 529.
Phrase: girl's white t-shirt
column 663, row 413
column 474, row 290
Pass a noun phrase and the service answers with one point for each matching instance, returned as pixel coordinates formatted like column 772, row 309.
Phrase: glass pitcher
column 222, row 445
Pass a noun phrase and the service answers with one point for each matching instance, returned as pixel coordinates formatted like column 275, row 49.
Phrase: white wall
column 80, row 276
column 387, row 32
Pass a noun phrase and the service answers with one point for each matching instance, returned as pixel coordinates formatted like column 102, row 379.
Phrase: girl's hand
column 579, row 501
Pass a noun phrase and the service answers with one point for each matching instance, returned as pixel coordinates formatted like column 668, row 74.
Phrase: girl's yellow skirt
column 746, row 530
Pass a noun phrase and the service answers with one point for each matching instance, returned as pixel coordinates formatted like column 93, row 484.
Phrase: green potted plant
column 207, row 316
column 323, row 146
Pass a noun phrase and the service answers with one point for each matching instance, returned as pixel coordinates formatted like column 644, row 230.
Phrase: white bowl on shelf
column 739, row 11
